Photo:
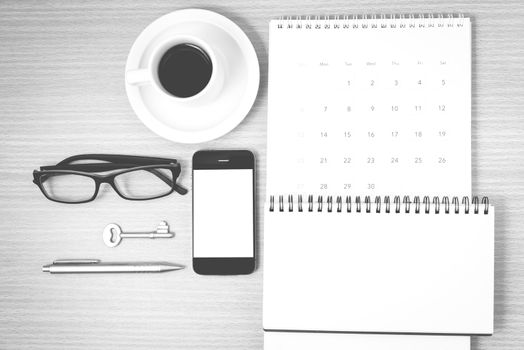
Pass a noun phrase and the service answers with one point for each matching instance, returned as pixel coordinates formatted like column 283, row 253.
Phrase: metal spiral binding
column 437, row 206
column 372, row 21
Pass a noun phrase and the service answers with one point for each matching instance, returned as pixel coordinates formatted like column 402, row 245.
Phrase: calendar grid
column 392, row 118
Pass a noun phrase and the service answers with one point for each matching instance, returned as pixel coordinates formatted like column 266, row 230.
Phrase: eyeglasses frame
column 128, row 162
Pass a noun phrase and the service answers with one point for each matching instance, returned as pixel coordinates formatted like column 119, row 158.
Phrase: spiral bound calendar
column 370, row 225
column 370, row 106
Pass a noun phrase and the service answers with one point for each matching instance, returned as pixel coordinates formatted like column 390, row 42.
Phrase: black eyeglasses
column 132, row 177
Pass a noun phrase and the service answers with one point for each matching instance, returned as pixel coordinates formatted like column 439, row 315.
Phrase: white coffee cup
column 149, row 74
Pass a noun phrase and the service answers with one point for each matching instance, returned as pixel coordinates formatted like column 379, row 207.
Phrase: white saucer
column 187, row 124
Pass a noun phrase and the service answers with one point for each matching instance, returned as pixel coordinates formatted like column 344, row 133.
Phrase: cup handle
column 138, row 76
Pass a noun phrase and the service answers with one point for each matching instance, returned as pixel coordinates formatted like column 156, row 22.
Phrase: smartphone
column 223, row 212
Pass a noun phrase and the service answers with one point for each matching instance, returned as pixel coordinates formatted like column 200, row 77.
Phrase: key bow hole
column 113, row 235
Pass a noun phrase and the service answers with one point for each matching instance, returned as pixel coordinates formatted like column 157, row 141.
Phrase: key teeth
column 163, row 227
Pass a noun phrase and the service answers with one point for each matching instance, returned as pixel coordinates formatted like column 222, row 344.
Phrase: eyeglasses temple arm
column 117, row 158
column 179, row 189
column 89, row 168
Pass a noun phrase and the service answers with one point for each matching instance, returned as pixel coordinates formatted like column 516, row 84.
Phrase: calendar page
column 370, row 107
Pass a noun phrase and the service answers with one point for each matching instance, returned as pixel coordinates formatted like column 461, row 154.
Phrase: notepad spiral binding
column 383, row 204
column 371, row 21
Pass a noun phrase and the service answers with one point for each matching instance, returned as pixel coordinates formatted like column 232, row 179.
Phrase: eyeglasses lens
column 69, row 188
column 145, row 183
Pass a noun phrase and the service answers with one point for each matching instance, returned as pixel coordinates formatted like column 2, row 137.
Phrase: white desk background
column 62, row 93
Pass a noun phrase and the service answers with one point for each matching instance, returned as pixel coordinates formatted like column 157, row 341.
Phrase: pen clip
column 76, row 261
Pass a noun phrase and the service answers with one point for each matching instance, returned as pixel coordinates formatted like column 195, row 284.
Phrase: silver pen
column 96, row 266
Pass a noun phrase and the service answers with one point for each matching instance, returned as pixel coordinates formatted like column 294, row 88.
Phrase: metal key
column 113, row 234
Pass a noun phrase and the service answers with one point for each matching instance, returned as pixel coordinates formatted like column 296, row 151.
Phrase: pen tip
column 172, row 267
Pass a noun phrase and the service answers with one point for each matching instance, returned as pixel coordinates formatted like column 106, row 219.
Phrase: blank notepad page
column 379, row 272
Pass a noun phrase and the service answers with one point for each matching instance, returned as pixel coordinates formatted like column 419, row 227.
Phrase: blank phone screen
column 223, row 222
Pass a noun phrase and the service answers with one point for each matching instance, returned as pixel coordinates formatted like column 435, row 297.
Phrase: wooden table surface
column 62, row 93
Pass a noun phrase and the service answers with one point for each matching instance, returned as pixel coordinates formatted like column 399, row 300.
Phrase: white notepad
column 337, row 341
column 369, row 119
column 379, row 272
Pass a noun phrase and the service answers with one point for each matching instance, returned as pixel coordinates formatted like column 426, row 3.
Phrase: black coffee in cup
column 185, row 70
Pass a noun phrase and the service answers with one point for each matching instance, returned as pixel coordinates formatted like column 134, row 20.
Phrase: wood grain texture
column 62, row 93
